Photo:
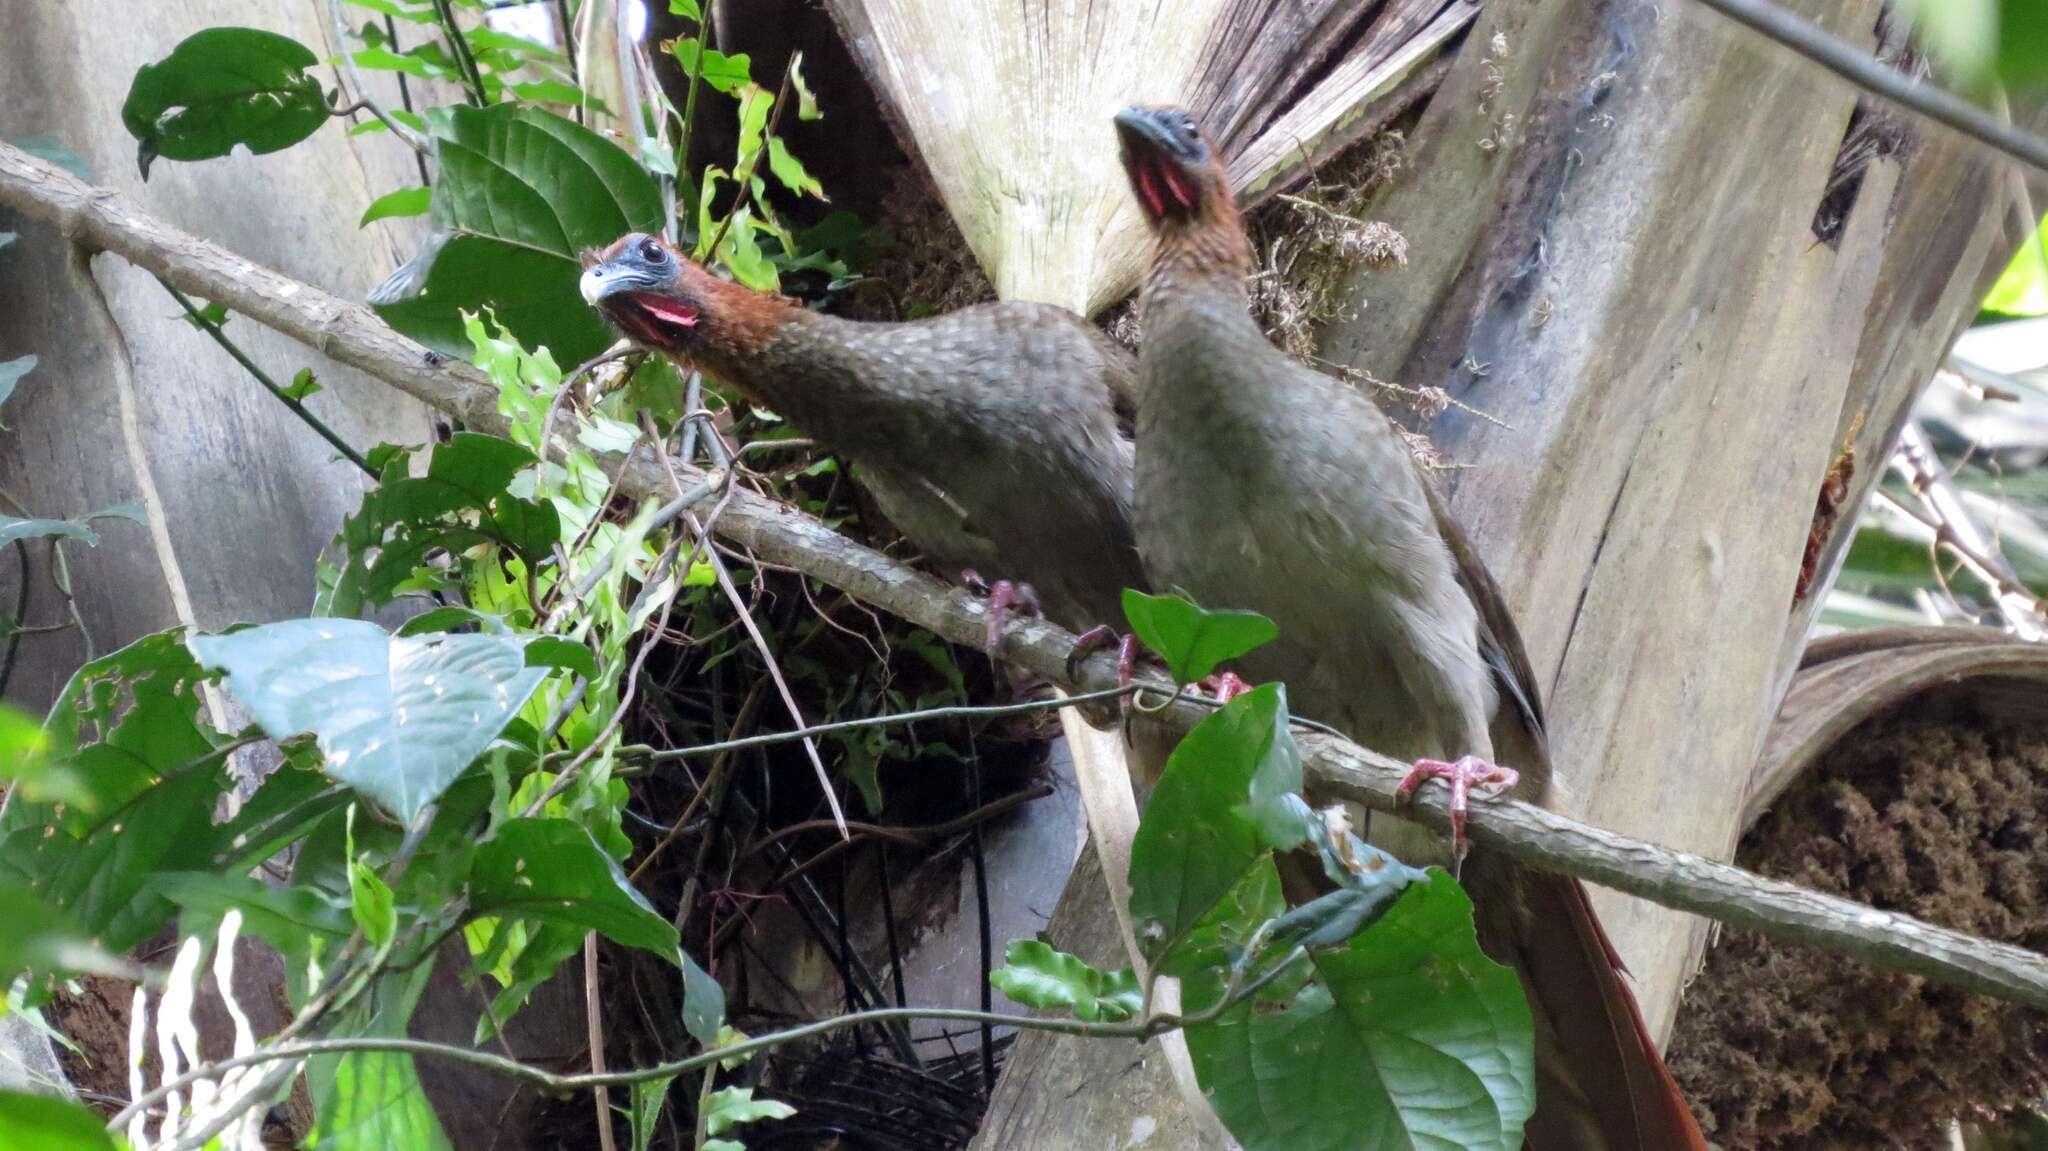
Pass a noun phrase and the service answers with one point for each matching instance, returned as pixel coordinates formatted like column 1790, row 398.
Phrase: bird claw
column 1225, row 686
column 1468, row 776
column 1004, row 596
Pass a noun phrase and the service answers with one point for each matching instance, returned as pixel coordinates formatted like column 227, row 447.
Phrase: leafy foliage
column 521, row 193
column 223, row 87
column 1194, row 641
column 48, row 1124
column 1037, row 976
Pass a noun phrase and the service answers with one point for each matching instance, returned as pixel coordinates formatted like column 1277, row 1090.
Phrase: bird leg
column 1003, row 597
column 1469, row 775
column 1225, row 686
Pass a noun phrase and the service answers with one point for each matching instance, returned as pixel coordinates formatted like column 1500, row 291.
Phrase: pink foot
column 1225, row 686
column 1469, row 775
column 1003, row 597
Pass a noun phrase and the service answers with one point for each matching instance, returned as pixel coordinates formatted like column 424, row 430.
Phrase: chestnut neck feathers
column 1207, row 247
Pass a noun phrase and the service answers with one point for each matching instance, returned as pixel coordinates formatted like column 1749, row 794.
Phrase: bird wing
column 1500, row 641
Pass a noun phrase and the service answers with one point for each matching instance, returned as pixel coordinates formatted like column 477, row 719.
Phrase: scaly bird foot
column 1225, row 686
column 1004, row 596
column 1469, row 775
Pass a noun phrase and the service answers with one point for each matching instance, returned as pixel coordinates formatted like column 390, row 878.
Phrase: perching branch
column 779, row 534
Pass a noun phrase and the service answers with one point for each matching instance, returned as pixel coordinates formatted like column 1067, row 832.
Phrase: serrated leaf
column 1408, row 1036
column 1193, row 640
column 551, row 870
column 725, row 73
column 521, row 193
column 403, row 202
column 732, row 1106
column 223, row 87
column 47, row 1123
column 1036, row 975
column 397, row 717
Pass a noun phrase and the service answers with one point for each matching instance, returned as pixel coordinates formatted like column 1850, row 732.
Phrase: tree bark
column 1612, row 213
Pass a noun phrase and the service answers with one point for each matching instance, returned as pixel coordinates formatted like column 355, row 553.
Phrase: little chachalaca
column 1264, row 484
column 986, row 435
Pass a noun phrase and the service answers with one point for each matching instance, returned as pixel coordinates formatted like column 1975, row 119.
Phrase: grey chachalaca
column 986, row 435
column 1266, row 485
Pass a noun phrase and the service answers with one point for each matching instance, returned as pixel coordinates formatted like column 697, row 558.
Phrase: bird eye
column 1189, row 130
column 652, row 251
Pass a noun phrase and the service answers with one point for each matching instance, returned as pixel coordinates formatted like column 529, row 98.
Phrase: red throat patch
column 668, row 311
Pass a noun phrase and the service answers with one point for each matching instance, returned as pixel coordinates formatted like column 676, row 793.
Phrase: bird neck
column 1206, row 252
column 738, row 324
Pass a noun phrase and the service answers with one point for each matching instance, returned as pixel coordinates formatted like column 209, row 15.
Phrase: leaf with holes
column 726, row 73
column 397, row 717
column 1193, row 640
column 223, row 87
column 1035, row 975
column 521, row 193
column 551, row 870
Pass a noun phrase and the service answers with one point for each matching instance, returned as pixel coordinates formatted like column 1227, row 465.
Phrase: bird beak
column 602, row 281
column 1158, row 163
column 1139, row 131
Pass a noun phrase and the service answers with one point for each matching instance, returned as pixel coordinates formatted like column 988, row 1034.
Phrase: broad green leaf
column 403, row 202
column 422, row 62
column 488, row 39
column 1198, row 837
column 30, row 770
column 755, row 104
column 222, row 87
column 1035, row 975
column 1193, row 640
column 46, row 1123
column 790, row 170
column 419, row 15
column 686, row 8
column 373, row 1100
column 1407, row 1037
column 732, row 1106
column 126, row 730
column 41, row 939
column 726, row 73
column 397, row 717
column 11, row 372
column 521, row 193
column 648, row 1099
column 551, row 870
column 551, row 92
column 214, row 314
column 287, row 918
column 553, row 651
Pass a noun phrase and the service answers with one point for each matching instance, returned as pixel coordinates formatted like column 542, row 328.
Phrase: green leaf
column 1193, row 640
column 1035, row 975
column 215, row 313
column 46, row 1123
column 394, row 9
column 374, row 909
column 287, row 918
column 1199, row 835
column 521, row 193
column 790, row 170
column 403, row 202
column 732, row 1106
column 649, row 1097
column 551, row 92
column 12, row 529
column 551, row 870
column 222, row 87
column 125, row 729
column 303, row 384
column 373, row 1100
column 686, row 8
column 553, row 651
column 1407, row 1037
column 11, row 372
column 703, row 1004
column 51, row 150
column 397, row 717
column 726, row 73
column 40, row 939
column 34, row 773
column 807, row 103
column 2022, row 289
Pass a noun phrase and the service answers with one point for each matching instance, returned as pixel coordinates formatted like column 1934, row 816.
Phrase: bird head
column 652, row 293
column 1173, row 166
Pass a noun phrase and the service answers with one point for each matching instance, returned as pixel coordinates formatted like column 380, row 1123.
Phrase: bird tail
column 1601, row 1082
